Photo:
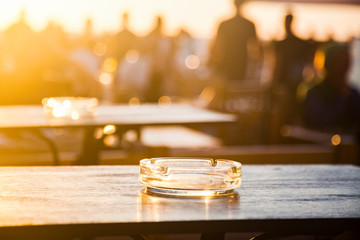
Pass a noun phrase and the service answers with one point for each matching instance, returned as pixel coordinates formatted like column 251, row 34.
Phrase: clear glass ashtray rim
column 165, row 179
column 189, row 192
column 230, row 164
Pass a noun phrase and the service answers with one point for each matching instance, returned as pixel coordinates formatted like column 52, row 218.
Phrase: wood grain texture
column 108, row 200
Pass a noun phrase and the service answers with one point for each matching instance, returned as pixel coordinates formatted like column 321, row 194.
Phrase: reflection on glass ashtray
column 69, row 107
column 196, row 177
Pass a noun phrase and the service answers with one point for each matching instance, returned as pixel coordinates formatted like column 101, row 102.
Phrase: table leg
column 90, row 148
column 50, row 143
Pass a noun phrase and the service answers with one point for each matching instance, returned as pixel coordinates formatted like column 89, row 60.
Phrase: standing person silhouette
column 122, row 43
column 292, row 56
column 159, row 49
column 125, row 39
column 234, row 49
column 230, row 53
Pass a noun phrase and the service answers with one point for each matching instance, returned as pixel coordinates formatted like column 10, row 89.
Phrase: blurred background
column 140, row 51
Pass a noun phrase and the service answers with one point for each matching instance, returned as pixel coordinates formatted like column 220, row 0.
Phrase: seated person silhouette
column 333, row 105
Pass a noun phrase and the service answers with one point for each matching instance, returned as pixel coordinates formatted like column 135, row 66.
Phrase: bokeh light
column 111, row 141
column 134, row 102
column 98, row 133
column 165, row 102
column 132, row 56
column 58, row 112
column 106, row 78
column 100, row 49
column 110, row 65
column 336, row 140
column 67, row 104
column 109, row 129
column 192, row 62
column 75, row 115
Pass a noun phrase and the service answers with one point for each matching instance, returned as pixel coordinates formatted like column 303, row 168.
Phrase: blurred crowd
column 113, row 67
column 305, row 81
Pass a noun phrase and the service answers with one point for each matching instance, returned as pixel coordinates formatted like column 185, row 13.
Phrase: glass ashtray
column 198, row 177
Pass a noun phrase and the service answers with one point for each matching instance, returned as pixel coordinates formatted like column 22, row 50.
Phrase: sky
column 199, row 17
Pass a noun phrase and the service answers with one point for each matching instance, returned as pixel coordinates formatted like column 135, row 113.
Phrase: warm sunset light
column 201, row 18
column 276, row 68
column 133, row 119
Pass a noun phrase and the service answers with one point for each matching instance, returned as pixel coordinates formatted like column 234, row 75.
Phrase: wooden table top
column 121, row 115
column 108, row 200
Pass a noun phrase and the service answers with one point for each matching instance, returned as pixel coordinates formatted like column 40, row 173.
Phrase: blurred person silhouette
column 17, row 41
column 124, row 40
column 82, row 50
column 19, row 75
column 123, row 43
column 292, row 56
column 234, row 46
column 159, row 48
column 184, row 46
column 82, row 55
column 55, row 36
column 133, row 73
column 16, row 33
column 37, row 65
column 332, row 104
column 233, row 55
column 63, row 73
column 53, row 50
